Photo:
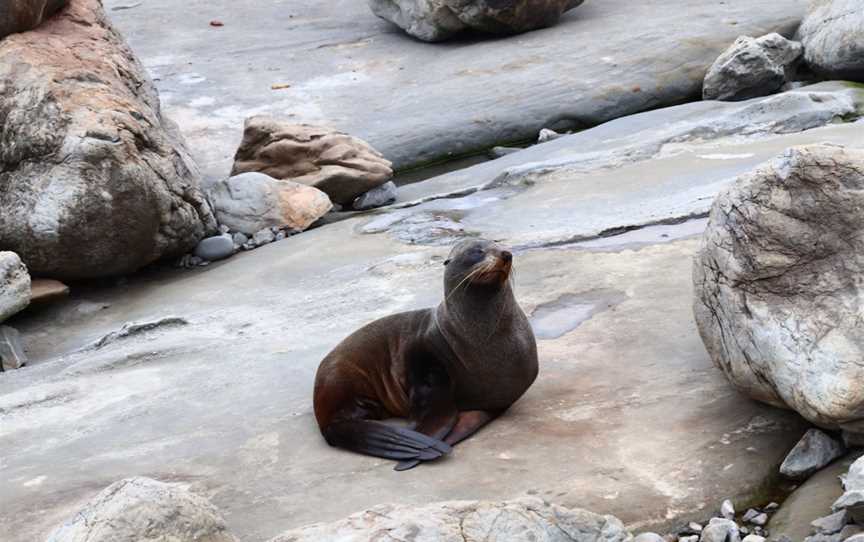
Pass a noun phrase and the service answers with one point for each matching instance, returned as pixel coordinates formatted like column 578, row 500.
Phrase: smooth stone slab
column 336, row 63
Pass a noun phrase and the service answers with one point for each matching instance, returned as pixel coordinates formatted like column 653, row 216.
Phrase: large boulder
column 833, row 36
column 14, row 285
column 23, row 15
column 436, row 20
column 341, row 166
column 144, row 510
column 752, row 67
column 94, row 181
column 468, row 521
column 778, row 283
column 251, row 202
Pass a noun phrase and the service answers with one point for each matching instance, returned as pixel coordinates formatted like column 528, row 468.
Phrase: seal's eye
column 475, row 254
column 446, row 262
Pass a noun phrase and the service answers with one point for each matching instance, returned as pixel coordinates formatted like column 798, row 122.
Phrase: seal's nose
column 507, row 256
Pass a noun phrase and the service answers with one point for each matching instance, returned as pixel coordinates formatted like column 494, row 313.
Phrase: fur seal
column 449, row 370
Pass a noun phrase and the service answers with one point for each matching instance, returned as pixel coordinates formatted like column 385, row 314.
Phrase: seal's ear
column 446, row 262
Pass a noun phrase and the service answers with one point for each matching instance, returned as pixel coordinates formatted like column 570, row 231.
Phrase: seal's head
column 477, row 262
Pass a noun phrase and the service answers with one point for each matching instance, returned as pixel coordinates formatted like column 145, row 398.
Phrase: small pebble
column 772, row 506
column 195, row 261
column 263, row 237
column 749, row 515
column 760, row 520
column 692, row 538
column 547, row 135
column 239, row 239
column 281, row 235
column 695, row 527
column 215, row 248
column 223, row 229
column 649, row 537
column 753, row 538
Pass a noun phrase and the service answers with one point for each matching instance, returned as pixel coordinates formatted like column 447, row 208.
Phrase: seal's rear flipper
column 383, row 440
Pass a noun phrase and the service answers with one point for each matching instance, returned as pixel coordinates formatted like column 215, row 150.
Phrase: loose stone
column 814, row 451
column 263, row 237
column 547, row 135
column 649, row 537
column 727, row 510
column 831, row 524
column 721, row 530
column 215, row 248
column 11, row 350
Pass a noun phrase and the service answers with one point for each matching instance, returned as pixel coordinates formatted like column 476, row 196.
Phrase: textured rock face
column 24, row 15
column 461, row 521
column 436, row 20
column 251, row 202
column 751, row 67
column 14, row 285
column 93, row 180
column 833, row 38
column 778, row 284
column 341, row 166
column 814, row 451
column 144, row 510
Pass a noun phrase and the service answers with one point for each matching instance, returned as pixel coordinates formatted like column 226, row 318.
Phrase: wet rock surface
column 341, row 166
column 524, row 519
column 752, row 67
column 143, row 509
column 833, row 36
column 23, row 15
column 777, row 290
column 94, row 181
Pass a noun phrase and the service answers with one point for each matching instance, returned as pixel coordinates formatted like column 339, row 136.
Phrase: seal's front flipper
column 470, row 421
column 432, row 408
column 383, row 440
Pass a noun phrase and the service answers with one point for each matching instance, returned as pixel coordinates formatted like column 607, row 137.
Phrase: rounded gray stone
column 215, row 248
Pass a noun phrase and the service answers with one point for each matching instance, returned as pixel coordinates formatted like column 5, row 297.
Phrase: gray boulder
column 460, row 521
column 833, row 36
column 377, row 197
column 751, row 67
column 778, row 284
column 342, row 166
column 251, row 202
column 14, row 285
column 814, row 451
column 23, row 15
column 94, row 181
column 437, row 20
column 144, row 510
column 720, row 530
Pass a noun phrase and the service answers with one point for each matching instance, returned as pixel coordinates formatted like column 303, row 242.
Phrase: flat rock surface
column 337, row 63
column 211, row 382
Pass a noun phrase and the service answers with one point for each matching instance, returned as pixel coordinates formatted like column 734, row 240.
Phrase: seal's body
column 449, row 370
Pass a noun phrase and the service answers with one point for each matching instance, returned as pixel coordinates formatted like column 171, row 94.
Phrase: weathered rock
column 14, row 285
column 852, row 533
column 93, row 180
column 215, row 248
column 23, row 15
column 831, row 524
column 778, row 284
column 44, row 291
column 720, row 530
column 751, row 67
column 436, row 20
column 12, row 354
column 377, row 197
column 649, row 537
column 727, row 509
column 342, row 166
column 458, row 521
column 854, row 478
column 547, row 135
column 814, row 451
column 263, row 237
column 833, row 36
column 141, row 510
column 853, row 502
column 250, row 202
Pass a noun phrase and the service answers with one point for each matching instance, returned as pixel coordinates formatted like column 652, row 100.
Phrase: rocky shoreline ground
column 192, row 387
